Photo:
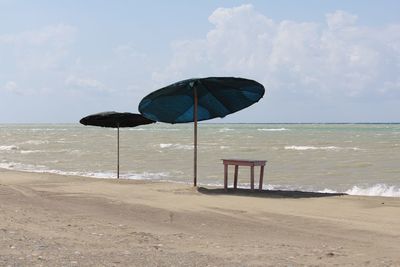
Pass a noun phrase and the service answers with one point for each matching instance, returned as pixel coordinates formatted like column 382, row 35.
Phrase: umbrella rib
column 186, row 110
column 238, row 88
column 213, row 95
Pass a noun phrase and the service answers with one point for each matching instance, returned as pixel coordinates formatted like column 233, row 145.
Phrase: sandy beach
column 55, row 220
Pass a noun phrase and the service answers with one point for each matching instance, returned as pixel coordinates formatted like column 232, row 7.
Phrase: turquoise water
column 353, row 158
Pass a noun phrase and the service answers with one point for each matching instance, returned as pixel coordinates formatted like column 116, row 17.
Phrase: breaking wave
column 224, row 130
column 8, row 148
column 15, row 166
column 273, row 129
column 31, row 151
column 176, row 146
column 376, row 190
column 36, row 142
column 335, row 148
column 379, row 190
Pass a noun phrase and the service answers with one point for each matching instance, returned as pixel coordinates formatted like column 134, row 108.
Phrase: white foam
column 310, row 148
column 31, row 151
column 273, row 129
column 163, row 129
column 176, row 146
column 327, row 190
column 223, row 130
column 382, row 190
column 21, row 166
column 36, row 142
column 379, row 190
column 8, row 148
column 147, row 176
column 103, row 175
column 375, row 190
column 165, row 145
column 47, row 129
column 265, row 186
column 334, row 148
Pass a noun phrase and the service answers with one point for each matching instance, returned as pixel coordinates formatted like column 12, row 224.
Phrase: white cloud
column 84, row 83
column 128, row 51
column 11, row 86
column 335, row 58
column 36, row 58
column 59, row 35
column 16, row 89
column 39, row 49
column 340, row 19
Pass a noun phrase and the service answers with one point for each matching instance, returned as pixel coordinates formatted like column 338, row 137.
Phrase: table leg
column 236, row 176
column 226, row 177
column 260, row 186
column 252, row 177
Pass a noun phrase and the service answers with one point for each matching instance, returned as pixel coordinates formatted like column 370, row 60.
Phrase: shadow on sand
column 265, row 193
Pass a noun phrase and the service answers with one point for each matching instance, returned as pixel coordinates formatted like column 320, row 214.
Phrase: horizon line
column 204, row 122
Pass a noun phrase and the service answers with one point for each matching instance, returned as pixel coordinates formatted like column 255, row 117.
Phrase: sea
column 357, row 159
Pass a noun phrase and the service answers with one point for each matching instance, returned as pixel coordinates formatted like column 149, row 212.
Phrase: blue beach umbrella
column 200, row 99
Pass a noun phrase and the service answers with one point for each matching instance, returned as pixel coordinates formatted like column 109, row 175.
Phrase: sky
column 319, row 61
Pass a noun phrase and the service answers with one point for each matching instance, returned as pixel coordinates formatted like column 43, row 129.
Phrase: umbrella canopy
column 216, row 97
column 200, row 99
column 114, row 119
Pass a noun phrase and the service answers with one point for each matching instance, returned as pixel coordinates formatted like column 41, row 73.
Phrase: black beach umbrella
column 200, row 99
column 112, row 119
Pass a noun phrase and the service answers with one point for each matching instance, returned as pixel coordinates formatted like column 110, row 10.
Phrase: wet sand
column 54, row 220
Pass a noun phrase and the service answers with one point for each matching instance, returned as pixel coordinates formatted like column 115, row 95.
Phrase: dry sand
column 54, row 220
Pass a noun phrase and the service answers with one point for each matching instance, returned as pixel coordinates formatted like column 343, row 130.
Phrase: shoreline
column 215, row 185
column 56, row 220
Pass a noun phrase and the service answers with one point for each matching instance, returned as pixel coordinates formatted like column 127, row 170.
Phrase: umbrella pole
column 195, row 138
column 118, row 152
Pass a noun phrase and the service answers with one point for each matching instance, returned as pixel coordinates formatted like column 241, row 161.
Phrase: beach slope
column 54, row 220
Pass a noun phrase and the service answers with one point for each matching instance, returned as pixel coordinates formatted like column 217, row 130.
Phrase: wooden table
column 243, row 162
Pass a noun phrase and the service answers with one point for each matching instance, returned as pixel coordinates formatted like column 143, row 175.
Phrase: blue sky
column 320, row 61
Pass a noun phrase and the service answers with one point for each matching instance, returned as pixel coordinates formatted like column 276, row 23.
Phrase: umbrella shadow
column 265, row 193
